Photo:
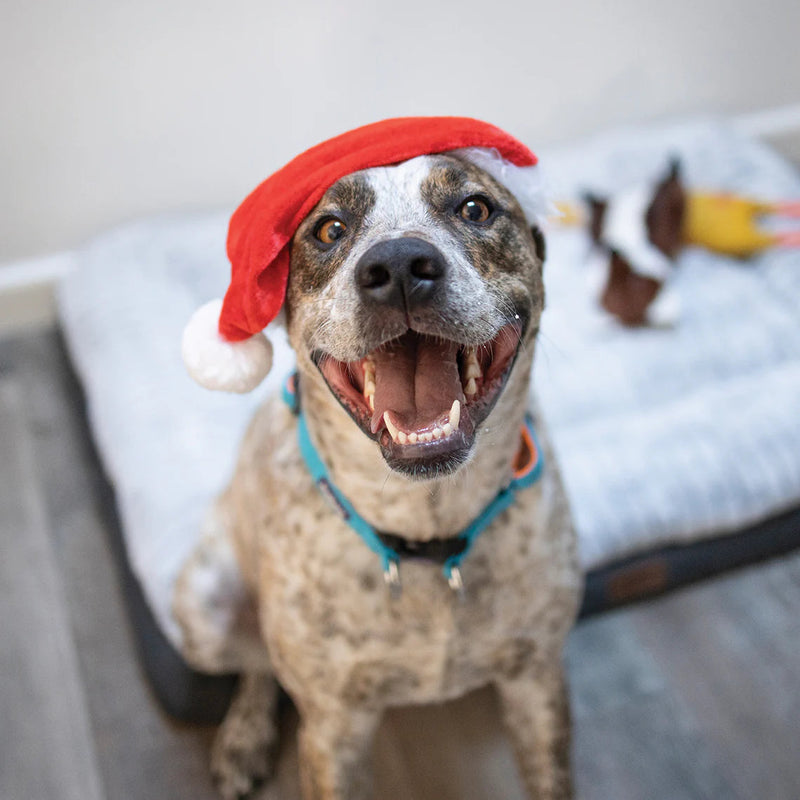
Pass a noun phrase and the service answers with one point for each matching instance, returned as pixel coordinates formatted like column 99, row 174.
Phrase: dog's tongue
column 417, row 379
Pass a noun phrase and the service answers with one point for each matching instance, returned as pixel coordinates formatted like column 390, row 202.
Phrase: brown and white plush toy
column 644, row 227
column 641, row 230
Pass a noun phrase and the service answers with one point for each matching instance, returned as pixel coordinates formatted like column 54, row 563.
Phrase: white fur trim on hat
column 219, row 364
column 525, row 183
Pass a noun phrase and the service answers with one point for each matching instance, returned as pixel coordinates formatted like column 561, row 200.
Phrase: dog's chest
column 330, row 620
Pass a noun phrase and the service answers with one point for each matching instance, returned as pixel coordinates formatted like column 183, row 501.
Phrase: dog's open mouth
column 421, row 397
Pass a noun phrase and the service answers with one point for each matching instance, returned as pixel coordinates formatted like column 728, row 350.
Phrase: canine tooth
column 455, row 414
column 369, row 393
column 393, row 431
column 412, row 438
column 471, row 387
column 401, row 437
column 447, row 429
column 473, row 370
column 437, row 433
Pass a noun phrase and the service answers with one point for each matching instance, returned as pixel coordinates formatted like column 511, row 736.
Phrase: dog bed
column 680, row 447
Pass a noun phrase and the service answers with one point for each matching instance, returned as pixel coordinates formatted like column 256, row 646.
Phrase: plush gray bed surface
column 665, row 437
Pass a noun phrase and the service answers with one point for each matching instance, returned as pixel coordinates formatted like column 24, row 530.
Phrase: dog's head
column 415, row 293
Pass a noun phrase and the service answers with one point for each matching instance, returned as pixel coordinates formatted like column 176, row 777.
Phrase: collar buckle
column 391, row 575
column 455, row 580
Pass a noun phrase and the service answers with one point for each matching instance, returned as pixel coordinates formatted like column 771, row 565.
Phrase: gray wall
column 115, row 109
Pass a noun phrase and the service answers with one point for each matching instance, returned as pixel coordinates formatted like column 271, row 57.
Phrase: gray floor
column 692, row 696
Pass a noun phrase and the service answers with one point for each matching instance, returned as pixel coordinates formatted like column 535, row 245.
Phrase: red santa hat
column 223, row 344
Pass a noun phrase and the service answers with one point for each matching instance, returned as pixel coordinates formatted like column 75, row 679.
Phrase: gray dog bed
column 680, row 448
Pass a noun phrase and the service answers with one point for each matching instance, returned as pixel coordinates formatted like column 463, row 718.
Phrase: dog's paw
column 243, row 754
column 241, row 760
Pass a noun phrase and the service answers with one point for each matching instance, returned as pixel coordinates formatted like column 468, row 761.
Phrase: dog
column 413, row 305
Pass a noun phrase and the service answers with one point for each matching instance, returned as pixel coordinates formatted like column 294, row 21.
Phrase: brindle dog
column 413, row 306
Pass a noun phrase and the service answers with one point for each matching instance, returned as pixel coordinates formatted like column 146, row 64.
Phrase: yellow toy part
column 727, row 223
column 568, row 214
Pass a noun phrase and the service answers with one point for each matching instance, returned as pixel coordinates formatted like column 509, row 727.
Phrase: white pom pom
column 218, row 364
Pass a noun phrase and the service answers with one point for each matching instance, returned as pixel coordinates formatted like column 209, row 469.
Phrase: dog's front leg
column 536, row 712
column 243, row 750
column 335, row 752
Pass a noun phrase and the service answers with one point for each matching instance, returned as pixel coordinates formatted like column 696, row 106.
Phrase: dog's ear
column 539, row 242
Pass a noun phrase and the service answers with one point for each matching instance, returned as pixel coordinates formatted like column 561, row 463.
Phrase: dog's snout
column 401, row 273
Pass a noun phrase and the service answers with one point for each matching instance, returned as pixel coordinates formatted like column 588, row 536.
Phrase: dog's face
column 412, row 290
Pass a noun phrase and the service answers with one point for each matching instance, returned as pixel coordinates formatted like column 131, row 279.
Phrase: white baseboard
column 27, row 292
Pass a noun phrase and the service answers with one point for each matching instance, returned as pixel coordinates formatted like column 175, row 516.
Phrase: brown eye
column 475, row 209
column 330, row 230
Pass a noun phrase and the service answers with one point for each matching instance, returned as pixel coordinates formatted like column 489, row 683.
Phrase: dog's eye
column 475, row 209
column 330, row 230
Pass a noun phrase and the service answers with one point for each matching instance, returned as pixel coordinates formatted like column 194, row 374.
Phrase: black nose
column 402, row 273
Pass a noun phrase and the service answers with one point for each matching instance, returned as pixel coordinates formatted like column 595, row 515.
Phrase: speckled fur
column 338, row 642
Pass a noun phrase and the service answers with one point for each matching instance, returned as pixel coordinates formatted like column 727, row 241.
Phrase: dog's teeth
column 472, row 369
column 412, row 438
column 426, row 437
column 454, row 416
column 393, row 431
column 369, row 382
column 401, row 437
column 471, row 387
column 447, row 429
column 437, row 433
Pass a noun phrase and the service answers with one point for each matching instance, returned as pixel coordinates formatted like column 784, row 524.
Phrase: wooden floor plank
column 733, row 660
column 46, row 745
column 632, row 738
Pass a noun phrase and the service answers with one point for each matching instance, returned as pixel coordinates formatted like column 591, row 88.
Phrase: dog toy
column 644, row 227
column 223, row 345
column 728, row 224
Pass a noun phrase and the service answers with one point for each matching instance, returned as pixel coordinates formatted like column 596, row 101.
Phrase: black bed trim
column 650, row 574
